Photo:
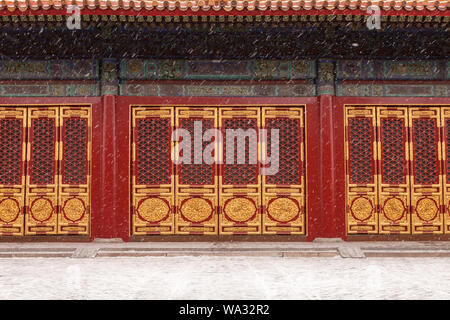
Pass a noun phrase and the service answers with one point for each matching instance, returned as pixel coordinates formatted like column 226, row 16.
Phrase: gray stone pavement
column 319, row 248
column 224, row 277
column 324, row 269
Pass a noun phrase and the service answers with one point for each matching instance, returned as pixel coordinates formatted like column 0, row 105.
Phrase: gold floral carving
column 426, row 209
column 283, row 209
column 361, row 208
column 196, row 209
column 240, row 209
column 153, row 209
column 9, row 210
column 393, row 209
column 74, row 209
column 41, row 209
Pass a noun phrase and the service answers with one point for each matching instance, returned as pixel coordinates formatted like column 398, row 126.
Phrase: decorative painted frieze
column 217, row 70
column 245, row 90
column 49, row 70
column 393, row 90
column 10, row 89
column 247, row 78
column 392, row 70
column 325, row 77
column 109, row 76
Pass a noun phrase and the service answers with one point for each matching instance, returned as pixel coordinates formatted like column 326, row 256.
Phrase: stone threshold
column 321, row 248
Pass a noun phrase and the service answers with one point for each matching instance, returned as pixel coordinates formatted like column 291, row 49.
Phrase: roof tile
column 227, row 5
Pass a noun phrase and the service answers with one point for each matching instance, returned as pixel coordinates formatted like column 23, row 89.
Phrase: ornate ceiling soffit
column 212, row 5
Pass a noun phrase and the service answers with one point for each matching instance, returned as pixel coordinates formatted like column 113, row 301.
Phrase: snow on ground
column 225, row 278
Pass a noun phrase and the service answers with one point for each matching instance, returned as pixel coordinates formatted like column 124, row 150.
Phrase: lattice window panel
column 240, row 184
column 39, row 158
column 196, row 182
column 58, row 172
column 196, row 173
column 42, row 171
column 362, row 199
column 408, row 169
column 12, row 170
column 211, row 198
column 283, row 190
column 75, row 177
column 426, row 178
column 152, row 171
column 237, row 173
column 393, row 185
column 152, row 166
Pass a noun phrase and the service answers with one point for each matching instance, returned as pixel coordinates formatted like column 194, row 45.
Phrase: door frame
column 97, row 160
column 339, row 141
column 312, row 163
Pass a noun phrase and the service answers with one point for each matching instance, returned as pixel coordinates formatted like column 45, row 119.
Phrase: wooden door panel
column 75, row 170
column 393, row 160
column 361, row 175
column 42, row 171
column 12, row 170
column 196, row 180
column 240, row 183
column 152, row 171
column 283, row 190
column 426, row 173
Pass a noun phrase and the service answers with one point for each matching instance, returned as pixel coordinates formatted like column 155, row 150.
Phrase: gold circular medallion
column 9, row 210
column 393, row 209
column 361, row 208
column 196, row 209
column 426, row 209
column 283, row 209
column 74, row 209
column 153, row 209
column 41, row 209
column 239, row 209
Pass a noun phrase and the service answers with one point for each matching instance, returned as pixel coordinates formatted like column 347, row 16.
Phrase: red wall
column 324, row 154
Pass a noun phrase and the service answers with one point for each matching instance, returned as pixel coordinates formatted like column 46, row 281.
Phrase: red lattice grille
column 240, row 173
column 290, row 137
column 361, row 151
column 75, row 137
column 425, row 138
column 153, row 151
column 393, row 151
column 196, row 174
column 10, row 151
column 43, row 136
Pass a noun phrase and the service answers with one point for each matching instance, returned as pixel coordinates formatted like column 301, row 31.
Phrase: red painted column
column 313, row 171
column 122, row 180
column 331, row 219
column 339, row 169
column 104, row 224
column 332, row 169
column 112, row 146
column 96, row 180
